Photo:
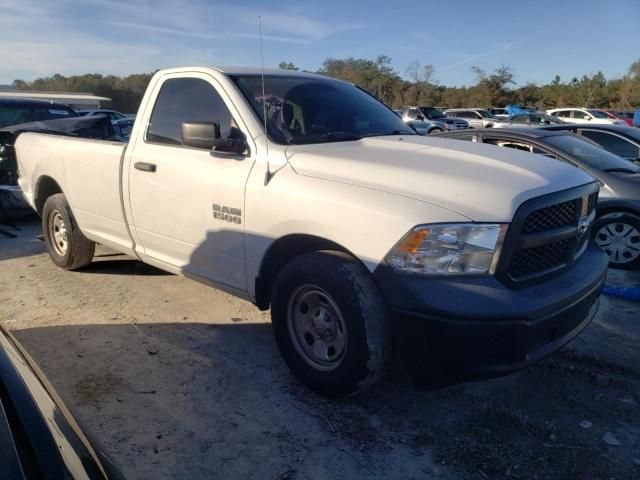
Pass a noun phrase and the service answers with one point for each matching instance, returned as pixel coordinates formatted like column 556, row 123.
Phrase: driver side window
column 187, row 100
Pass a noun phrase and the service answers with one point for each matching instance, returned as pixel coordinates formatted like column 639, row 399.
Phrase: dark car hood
column 31, row 411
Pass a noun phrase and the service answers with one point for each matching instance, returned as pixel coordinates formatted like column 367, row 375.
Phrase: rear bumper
column 453, row 330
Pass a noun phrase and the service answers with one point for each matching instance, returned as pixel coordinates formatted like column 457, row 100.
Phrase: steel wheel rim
column 620, row 241
column 316, row 327
column 58, row 233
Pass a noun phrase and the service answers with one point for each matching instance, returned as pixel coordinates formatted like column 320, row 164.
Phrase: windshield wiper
column 325, row 137
column 394, row 132
column 340, row 136
column 620, row 170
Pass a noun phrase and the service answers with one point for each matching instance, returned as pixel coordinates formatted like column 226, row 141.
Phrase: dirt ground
column 178, row 380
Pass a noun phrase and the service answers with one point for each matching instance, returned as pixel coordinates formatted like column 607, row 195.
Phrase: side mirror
column 200, row 134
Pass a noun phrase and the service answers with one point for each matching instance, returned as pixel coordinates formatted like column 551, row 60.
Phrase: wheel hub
column 323, row 324
column 58, row 233
column 316, row 327
column 620, row 241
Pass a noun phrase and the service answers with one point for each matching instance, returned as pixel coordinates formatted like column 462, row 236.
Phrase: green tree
column 287, row 66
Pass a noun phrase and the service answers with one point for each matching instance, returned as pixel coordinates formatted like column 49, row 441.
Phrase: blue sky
column 538, row 39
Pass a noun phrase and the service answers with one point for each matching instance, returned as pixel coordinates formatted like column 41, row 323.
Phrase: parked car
column 476, row 117
column 529, row 120
column 336, row 215
column 416, row 120
column 617, row 225
column 123, row 127
column 622, row 141
column 498, row 112
column 39, row 435
column 13, row 112
column 512, row 109
column 623, row 115
column 436, row 115
column 584, row 115
column 17, row 111
column 114, row 116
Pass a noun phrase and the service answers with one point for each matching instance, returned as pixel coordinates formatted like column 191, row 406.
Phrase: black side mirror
column 231, row 146
column 200, row 134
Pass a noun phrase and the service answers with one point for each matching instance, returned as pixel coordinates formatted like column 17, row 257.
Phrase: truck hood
column 484, row 183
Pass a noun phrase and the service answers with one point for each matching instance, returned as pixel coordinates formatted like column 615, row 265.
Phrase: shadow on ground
column 120, row 264
column 192, row 400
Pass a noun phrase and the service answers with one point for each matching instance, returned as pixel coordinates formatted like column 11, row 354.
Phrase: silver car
column 529, row 120
column 476, row 117
column 415, row 119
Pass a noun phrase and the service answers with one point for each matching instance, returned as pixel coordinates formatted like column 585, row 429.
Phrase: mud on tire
column 67, row 246
column 330, row 323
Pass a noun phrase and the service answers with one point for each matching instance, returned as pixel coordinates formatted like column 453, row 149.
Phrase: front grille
column 529, row 261
column 545, row 237
column 554, row 216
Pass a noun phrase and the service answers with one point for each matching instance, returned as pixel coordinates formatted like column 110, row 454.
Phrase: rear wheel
column 330, row 323
column 67, row 246
column 619, row 236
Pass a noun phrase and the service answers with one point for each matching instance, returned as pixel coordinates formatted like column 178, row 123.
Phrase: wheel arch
column 607, row 208
column 280, row 253
column 45, row 187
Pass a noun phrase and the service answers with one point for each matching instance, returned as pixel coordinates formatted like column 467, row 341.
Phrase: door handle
column 145, row 167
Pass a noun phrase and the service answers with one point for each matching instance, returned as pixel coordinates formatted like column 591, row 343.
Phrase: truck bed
column 88, row 171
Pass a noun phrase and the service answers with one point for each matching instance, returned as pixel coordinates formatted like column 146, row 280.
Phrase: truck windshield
column 302, row 110
column 432, row 113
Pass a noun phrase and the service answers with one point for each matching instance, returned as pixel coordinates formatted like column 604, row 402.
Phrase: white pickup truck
column 307, row 195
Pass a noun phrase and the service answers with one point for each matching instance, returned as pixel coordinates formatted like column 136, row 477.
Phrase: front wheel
column 67, row 246
column 330, row 323
column 435, row 130
column 619, row 236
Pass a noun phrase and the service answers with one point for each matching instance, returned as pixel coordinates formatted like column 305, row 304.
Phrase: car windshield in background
column 598, row 114
column 544, row 117
column 486, row 114
column 303, row 110
column 432, row 113
column 17, row 114
column 592, row 155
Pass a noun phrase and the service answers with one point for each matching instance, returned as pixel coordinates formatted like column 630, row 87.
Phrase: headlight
column 449, row 249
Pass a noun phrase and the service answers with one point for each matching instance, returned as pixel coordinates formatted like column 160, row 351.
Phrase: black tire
column 67, row 246
column 435, row 130
column 626, row 255
column 348, row 287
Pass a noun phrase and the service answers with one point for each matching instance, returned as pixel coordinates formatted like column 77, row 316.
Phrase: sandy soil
column 178, row 380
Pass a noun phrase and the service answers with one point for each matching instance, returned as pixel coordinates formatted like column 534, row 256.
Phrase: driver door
column 187, row 203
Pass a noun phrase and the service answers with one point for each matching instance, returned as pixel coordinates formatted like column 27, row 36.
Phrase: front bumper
column 457, row 329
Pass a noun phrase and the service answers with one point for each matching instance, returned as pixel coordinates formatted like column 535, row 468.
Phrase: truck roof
column 235, row 70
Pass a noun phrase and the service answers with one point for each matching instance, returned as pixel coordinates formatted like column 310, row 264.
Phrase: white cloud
column 470, row 58
column 121, row 37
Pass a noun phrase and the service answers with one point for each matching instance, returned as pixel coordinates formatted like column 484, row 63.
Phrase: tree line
column 415, row 87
